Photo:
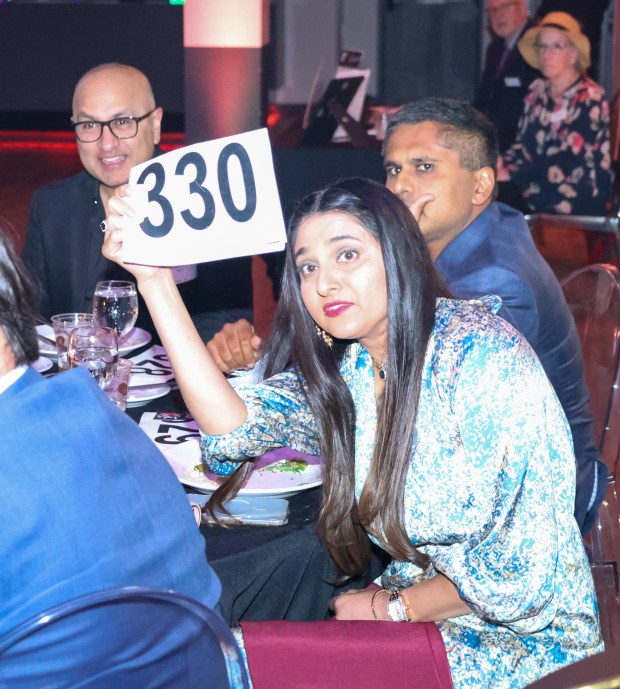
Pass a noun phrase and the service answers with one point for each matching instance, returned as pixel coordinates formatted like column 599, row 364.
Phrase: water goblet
column 94, row 348
column 115, row 305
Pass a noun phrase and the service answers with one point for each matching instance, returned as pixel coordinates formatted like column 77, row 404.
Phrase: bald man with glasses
column 117, row 125
column 506, row 76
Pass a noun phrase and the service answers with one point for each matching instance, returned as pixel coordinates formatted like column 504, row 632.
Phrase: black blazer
column 500, row 95
column 63, row 254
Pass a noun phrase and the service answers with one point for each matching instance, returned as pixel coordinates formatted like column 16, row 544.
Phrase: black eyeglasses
column 550, row 47
column 121, row 127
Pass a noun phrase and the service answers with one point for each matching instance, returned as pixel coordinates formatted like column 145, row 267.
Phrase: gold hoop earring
column 326, row 337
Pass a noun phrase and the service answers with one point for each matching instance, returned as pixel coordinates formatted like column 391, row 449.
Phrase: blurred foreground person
column 442, row 439
column 88, row 501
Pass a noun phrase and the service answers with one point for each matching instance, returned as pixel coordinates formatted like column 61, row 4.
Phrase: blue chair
column 123, row 638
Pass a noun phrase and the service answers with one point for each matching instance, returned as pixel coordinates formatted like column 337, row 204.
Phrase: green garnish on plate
column 289, row 466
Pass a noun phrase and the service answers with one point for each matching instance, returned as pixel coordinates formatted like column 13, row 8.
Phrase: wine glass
column 115, row 305
column 94, row 348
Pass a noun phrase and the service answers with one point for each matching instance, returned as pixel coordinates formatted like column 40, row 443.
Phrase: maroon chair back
column 346, row 654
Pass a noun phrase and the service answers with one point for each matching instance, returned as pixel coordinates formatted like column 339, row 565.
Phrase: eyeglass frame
column 504, row 7
column 133, row 118
column 551, row 47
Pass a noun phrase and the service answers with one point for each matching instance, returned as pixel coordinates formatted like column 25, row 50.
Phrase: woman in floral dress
column 561, row 159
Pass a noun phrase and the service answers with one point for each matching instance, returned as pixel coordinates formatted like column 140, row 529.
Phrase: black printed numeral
column 194, row 160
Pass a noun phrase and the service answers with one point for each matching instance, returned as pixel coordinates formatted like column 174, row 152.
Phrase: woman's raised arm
column 211, row 400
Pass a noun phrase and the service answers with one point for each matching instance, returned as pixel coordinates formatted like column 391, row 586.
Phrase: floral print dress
column 490, row 492
column 561, row 159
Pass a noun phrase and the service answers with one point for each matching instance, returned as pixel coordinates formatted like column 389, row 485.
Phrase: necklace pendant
column 381, row 367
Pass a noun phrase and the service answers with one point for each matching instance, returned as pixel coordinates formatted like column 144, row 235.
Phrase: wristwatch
column 396, row 608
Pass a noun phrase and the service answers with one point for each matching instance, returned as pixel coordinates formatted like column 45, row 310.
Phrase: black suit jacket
column 63, row 254
column 500, row 95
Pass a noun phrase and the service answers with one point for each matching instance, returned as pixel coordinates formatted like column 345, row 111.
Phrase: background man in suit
column 506, row 76
column 117, row 125
column 88, row 501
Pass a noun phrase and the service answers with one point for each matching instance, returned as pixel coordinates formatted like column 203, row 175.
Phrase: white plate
column 135, row 338
column 43, row 364
column 184, row 457
column 143, row 395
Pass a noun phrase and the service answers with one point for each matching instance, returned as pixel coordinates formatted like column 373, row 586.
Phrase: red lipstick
column 335, row 308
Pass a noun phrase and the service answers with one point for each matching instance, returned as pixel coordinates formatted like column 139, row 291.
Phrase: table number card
column 206, row 202
column 151, row 367
column 171, row 428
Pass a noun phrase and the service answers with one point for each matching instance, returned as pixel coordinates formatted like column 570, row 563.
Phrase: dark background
column 425, row 49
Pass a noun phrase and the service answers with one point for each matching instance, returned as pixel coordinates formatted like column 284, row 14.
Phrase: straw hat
column 562, row 22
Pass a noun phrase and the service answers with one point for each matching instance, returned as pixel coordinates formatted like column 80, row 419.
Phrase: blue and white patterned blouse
column 491, row 489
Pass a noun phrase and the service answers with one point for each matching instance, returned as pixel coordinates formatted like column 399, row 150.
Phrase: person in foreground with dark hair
column 440, row 155
column 442, row 439
column 88, row 502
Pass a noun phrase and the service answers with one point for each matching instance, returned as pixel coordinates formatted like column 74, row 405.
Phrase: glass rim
column 65, row 317
column 115, row 283
column 95, row 328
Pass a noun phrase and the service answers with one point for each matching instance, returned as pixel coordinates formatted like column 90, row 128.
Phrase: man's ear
column 156, row 118
column 485, row 184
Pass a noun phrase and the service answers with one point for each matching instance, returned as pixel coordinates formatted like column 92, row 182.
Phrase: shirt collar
column 11, row 377
column 516, row 36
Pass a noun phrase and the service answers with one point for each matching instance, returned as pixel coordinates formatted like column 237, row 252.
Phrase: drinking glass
column 117, row 385
column 96, row 349
column 115, row 305
column 63, row 324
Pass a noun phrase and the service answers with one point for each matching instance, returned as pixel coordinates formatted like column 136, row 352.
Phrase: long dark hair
column 18, row 305
column 412, row 287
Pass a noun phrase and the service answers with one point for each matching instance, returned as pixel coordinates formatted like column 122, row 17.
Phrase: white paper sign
column 151, row 367
column 206, row 202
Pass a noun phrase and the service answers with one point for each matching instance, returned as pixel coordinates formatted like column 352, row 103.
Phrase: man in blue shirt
column 88, row 502
column 440, row 157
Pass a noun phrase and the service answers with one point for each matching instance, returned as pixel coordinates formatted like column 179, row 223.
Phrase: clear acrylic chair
column 593, row 294
column 125, row 638
column 601, row 671
column 599, row 230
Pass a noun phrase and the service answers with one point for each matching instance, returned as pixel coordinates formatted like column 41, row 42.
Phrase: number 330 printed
column 157, row 172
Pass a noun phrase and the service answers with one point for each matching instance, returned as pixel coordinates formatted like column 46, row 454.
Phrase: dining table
column 278, row 572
